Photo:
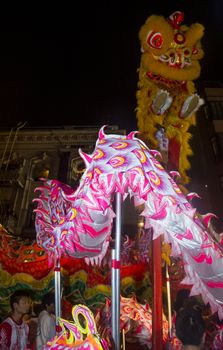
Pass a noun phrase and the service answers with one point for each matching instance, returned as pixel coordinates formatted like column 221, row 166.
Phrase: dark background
column 77, row 64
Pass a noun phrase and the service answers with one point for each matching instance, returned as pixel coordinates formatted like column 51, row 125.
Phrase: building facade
column 29, row 154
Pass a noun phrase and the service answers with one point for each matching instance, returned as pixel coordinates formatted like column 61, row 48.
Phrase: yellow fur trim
column 194, row 34
column 156, row 24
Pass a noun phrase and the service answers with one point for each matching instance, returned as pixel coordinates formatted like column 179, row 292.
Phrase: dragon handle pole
column 113, row 297
column 116, row 276
column 57, row 282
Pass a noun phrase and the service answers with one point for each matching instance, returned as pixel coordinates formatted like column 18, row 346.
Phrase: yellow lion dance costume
column 166, row 98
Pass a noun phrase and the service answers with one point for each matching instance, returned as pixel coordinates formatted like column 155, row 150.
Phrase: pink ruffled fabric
column 78, row 223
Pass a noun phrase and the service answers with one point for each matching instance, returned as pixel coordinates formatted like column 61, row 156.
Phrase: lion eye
column 155, row 40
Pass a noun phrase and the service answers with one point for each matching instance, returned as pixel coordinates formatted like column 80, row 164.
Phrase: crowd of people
column 23, row 330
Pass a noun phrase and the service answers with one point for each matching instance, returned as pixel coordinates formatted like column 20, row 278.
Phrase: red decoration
column 176, row 19
column 179, row 38
column 155, row 40
column 116, row 264
column 173, row 154
column 157, row 317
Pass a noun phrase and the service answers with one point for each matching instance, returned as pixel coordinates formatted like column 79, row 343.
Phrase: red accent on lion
column 173, row 154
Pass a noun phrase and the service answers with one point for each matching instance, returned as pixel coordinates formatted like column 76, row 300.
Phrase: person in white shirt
column 14, row 332
column 46, row 328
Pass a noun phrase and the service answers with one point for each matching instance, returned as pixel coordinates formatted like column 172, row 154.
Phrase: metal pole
column 113, row 299
column 157, row 317
column 57, row 280
column 116, row 280
column 117, row 257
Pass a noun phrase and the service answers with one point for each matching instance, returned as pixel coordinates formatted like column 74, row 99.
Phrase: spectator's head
column 193, row 303
column 37, row 308
column 48, row 302
column 190, row 328
column 21, row 301
column 182, row 296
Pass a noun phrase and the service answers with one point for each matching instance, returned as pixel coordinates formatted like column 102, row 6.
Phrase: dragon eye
column 155, row 40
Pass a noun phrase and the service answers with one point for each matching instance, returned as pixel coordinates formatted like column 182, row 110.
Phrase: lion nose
column 179, row 59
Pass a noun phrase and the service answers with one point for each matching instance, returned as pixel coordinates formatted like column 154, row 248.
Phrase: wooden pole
column 169, row 301
column 157, row 317
column 123, row 340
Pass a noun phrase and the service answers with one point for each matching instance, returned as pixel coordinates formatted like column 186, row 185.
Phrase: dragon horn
column 155, row 153
column 101, row 134
column 87, row 159
column 41, row 188
column 174, row 173
column 207, row 218
column 38, row 200
column 192, row 195
column 132, row 134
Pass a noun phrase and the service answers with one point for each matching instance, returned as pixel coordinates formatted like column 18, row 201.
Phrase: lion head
column 171, row 50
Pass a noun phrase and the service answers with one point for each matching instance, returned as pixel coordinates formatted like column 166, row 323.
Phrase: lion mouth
column 175, row 59
column 169, row 82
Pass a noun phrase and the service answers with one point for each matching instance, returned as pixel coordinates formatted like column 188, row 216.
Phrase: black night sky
column 77, row 64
